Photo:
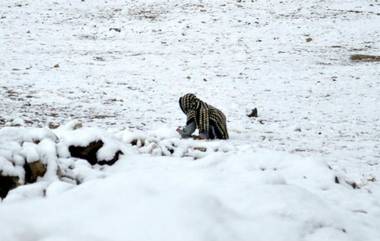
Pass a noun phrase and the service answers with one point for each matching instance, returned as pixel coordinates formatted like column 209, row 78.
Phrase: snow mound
column 20, row 146
column 167, row 142
column 75, row 154
column 263, row 194
column 28, row 155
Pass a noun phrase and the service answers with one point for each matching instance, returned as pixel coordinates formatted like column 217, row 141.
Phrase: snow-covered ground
column 122, row 65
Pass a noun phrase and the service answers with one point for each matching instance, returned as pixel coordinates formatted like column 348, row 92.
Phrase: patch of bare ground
column 364, row 58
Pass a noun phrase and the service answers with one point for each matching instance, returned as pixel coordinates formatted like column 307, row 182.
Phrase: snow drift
column 234, row 193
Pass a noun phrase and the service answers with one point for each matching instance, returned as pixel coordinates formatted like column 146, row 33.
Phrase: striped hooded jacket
column 203, row 115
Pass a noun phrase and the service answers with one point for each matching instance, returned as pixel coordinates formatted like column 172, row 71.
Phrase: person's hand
column 179, row 130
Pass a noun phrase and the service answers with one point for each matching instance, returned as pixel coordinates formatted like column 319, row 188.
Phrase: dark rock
column 87, row 152
column 138, row 142
column 99, row 58
column 202, row 149
column 77, row 125
column 134, row 142
column 354, row 185
column 53, row 125
column 336, row 179
column 115, row 29
column 36, row 141
column 171, row 150
column 113, row 160
column 309, row 40
column 7, row 183
column 253, row 113
column 34, row 170
column 371, row 179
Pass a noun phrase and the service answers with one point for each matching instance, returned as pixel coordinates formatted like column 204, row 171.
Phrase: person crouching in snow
column 210, row 121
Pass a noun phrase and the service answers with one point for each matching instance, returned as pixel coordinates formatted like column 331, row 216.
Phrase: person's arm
column 187, row 130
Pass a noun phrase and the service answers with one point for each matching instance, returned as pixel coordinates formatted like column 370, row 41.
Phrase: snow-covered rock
column 26, row 154
column 30, row 154
column 92, row 144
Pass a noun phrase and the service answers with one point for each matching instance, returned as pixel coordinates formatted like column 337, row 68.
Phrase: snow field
column 305, row 169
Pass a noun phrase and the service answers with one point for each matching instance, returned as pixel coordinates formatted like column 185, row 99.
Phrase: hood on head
column 189, row 102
